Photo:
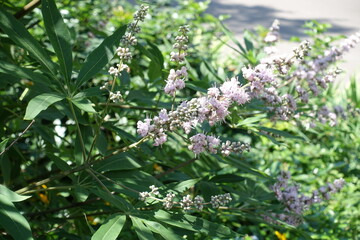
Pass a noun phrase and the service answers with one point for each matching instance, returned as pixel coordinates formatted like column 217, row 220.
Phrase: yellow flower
column 44, row 198
column 281, row 236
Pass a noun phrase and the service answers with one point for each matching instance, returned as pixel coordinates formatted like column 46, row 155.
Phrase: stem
column 102, row 116
column 124, row 149
column 27, row 8
column 79, row 131
column 131, row 107
column 77, row 204
column 47, row 189
column 17, row 139
column 58, row 176
column 116, row 183
column 79, row 168
column 90, row 171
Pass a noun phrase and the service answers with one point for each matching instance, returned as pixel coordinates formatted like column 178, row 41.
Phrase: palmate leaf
column 59, row 36
column 40, row 103
column 111, row 228
column 18, row 33
column 12, row 221
column 100, row 56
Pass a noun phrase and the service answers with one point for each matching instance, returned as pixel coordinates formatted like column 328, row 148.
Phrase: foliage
column 73, row 165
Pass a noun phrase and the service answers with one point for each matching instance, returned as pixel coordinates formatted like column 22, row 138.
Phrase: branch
column 28, row 8
column 131, row 107
column 86, row 165
column 73, row 205
column 17, row 139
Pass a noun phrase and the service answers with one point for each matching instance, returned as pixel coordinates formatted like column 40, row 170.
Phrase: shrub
column 168, row 142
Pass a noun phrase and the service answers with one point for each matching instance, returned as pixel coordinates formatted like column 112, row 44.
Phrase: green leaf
column 116, row 201
column 111, row 228
column 227, row 178
column 166, row 233
column 12, row 196
column 40, row 103
column 83, row 104
column 280, row 133
column 181, row 187
column 12, row 221
column 195, row 224
column 249, row 122
column 100, row 57
column 121, row 161
column 239, row 163
column 60, row 163
column 196, row 88
column 89, row 92
column 247, row 39
column 233, row 38
column 20, row 72
column 59, row 36
column 17, row 32
column 3, row 144
column 141, row 230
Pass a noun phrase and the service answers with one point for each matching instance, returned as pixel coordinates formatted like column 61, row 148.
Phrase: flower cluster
column 312, row 71
column 273, row 34
column 266, row 82
column 180, row 45
column 294, row 202
column 176, row 78
column 186, row 202
column 175, row 81
column 124, row 52
column 220, row 200
column 329, row 115
column 212, row 108
column 154, row 192
column 200, row 143
column 310, row 75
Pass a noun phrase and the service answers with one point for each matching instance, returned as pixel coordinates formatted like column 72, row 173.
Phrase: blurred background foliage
column 74, row 207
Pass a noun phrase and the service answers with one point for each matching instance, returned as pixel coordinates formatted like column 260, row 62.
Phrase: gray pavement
column 344, row 15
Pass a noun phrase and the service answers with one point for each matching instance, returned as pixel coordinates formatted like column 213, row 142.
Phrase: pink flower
column 213, row 92
column 143, row 128
column 160, row 139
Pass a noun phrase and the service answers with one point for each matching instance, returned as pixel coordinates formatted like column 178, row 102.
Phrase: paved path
column 344, row 15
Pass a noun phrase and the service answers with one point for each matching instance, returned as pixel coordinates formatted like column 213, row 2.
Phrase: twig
column 27, row 128
column 79, row 130
column 90, row 171
column 48, row 189
column 73, row 205
column 79, row 168
column 27, row 8
column 116, row 183
column 124, row 149
column 131, row 107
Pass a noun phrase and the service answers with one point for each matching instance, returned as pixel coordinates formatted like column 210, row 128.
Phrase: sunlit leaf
column 111, row 228
column 100, row 56
column 12, row 221
column 40, row 103
column 59, row 35
column 18, row 33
